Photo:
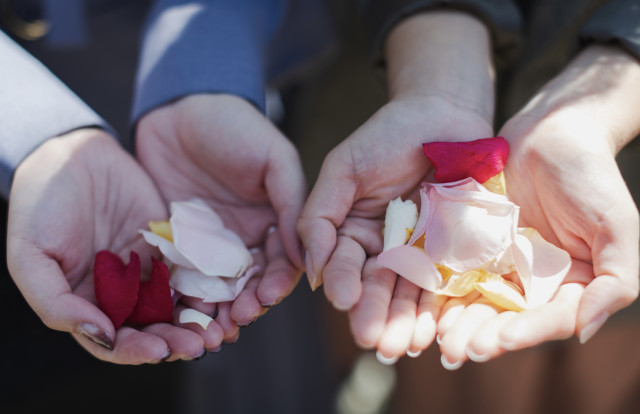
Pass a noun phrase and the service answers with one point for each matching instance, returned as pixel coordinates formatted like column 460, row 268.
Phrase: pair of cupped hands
column 81, row 193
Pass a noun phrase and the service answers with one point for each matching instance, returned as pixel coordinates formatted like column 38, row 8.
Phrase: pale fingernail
column 448, row 365
column 412, row 354
column 271, row 230
column 255, row 250
column 438, row 339
column 311, row 276
column 593, row 326
column 95, row 334
column 340, row 307
column 384, row 360
column 477, row 357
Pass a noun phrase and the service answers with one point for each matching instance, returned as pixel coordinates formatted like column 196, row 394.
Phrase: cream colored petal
column 193, row 316
column 462, row 284
column 400, row 216
column 501, row 293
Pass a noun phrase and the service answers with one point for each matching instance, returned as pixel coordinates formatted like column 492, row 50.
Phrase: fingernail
column 451, row 366
column 477, row 357
column 311, row 276
column 411, row 354
column 94, row 333
column 593, row 327
column 341, row 308
column 438, row 339
column 274, row 303
column 166, row 356
column 233, row 340
column 202, row 355
column 384, row 360
column 218, row 349
column 271, row 230
column 244, row 325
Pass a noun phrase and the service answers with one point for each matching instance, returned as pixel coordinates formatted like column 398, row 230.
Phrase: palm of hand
column 220, row 149
column 75, row 196
column 568, row 187
column 342, row 221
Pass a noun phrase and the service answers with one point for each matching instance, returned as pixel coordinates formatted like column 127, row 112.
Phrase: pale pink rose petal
column 468, row 229
column 198, row 234
column 413, row 264
column 190, row 282
column 541, row 265
column 423, row 217
column 167, row 248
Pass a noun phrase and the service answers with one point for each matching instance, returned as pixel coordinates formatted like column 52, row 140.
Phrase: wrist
column 443, row 54
column 599, row 90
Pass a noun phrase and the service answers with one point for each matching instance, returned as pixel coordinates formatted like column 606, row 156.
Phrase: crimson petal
column 154, row 299
column 480, row 159
column 116, row 285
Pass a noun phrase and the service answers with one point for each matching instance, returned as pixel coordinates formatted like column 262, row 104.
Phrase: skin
column 221, row 149
column 73, row 196
column 431, row 99
column 562, row 172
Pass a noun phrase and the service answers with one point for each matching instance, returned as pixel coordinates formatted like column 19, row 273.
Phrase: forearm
column 601, row 86
column 443, row 54
column 34, row 106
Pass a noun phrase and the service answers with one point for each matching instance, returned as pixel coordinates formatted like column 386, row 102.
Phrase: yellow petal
column 502, row 293
column 162, row 229
column 444, row 271
column 461, row 284
column 496, row 184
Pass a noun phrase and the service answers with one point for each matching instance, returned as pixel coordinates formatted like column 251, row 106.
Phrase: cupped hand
column 341, row 223
column 222, row 150
column 563, row 174
column 75, row 195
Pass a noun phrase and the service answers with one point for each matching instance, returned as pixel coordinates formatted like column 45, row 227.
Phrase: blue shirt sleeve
column 214, row 46
column 34, row 106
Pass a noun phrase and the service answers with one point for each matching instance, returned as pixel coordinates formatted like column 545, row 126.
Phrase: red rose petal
column 480, row 159
column 154, row 299
column 116, row 285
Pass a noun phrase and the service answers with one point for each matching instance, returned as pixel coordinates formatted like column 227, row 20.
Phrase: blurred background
column 299, row 357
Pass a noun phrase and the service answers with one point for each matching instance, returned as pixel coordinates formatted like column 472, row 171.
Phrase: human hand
column 73, row 196
column 221, row 149
column 563, row 174
column 438, row 93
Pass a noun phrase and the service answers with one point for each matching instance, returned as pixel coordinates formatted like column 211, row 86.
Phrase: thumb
column 46, row 290
column 325, row 210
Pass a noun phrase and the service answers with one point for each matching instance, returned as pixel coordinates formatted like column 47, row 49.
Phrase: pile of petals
column 206, row 260
column 466, row 237
column 202, row 259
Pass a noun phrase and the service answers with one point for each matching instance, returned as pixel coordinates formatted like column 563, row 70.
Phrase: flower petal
column 116, row 285
column 462, row 284
column 154, row 298
column 189, row 315
column 413, row 264
column 200, row 237
column 468, row 229
column 400, row 216
column 541, row 265
column 501, row 293
column 191, row 282
column 167, row 248
column 480, row 159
